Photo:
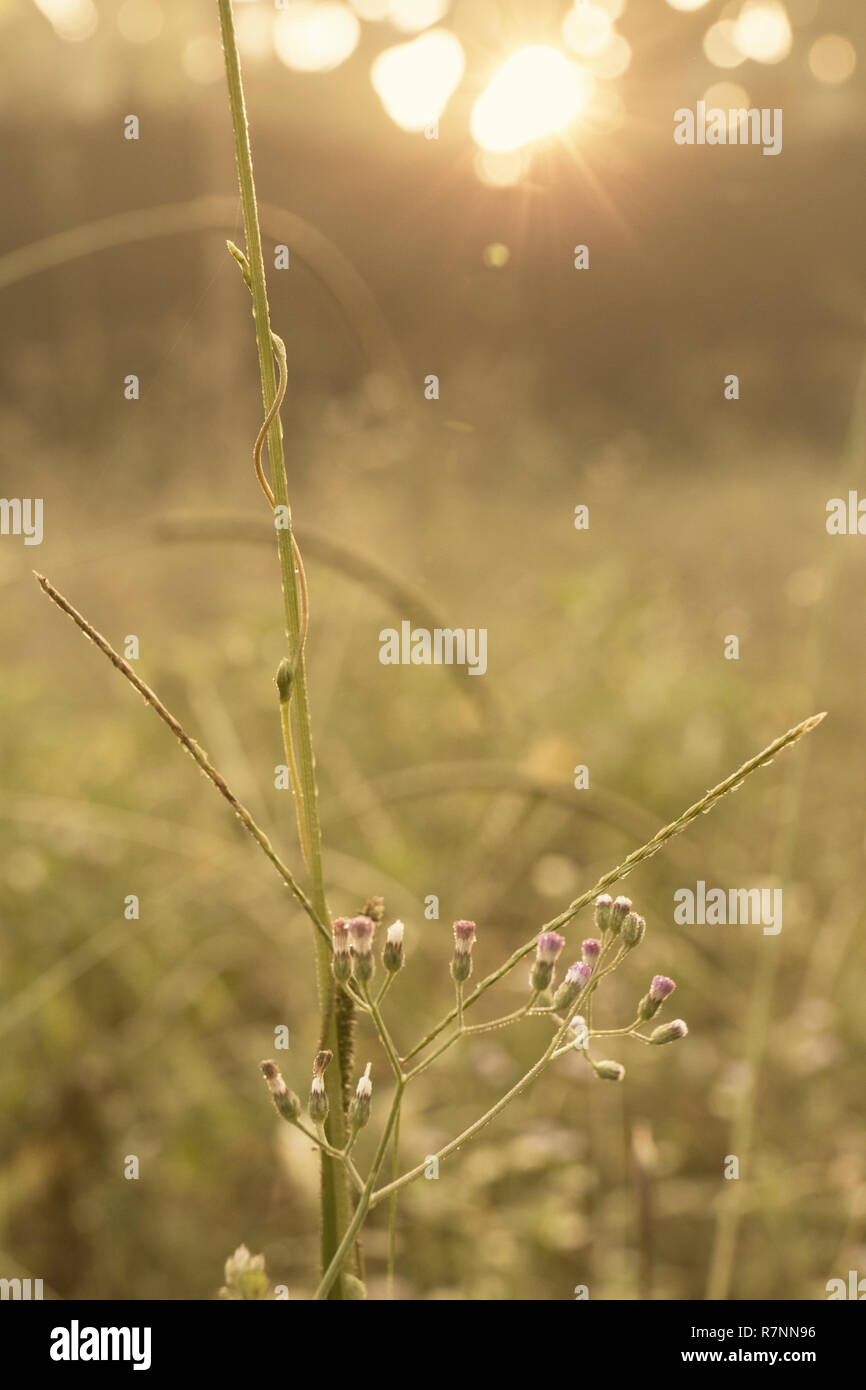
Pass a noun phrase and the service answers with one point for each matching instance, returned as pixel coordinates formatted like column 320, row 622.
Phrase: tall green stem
column 335, row 1192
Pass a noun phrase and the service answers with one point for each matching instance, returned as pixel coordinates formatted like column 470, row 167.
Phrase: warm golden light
column 832, row 58
column 502, row 170
column 535, row 93
column 687, row 4
column 415, row 80
column 70, row 19
column 375, row 10
column 612, row 61
column 763, row 31
column 729, row 97
column 140, row 21
column 496, row 255
column 315, row 38
column 412, row 15
column 721, row 47
column 586, row 30
column 202, row 59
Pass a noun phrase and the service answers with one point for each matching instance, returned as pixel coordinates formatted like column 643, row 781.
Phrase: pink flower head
column 550, row 943
column 661, row 987
column 591, row 950
column 464, row 937
column 361, row 931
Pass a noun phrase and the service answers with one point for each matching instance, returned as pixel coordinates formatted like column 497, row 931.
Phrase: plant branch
column 638, row 856
column 195, row 752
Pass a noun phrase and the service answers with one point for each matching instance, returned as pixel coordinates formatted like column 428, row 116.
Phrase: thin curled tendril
column 280, row 354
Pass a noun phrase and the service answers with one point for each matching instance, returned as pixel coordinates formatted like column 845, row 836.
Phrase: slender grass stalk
column 392, row 1210
column 335, row 1191
column 195, row 752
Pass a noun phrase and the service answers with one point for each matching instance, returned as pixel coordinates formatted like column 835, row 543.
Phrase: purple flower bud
column 464, row 938
column 550, row 943
column 576, row 976
column 668, row 1032
column 591, row 950
column 603, row 906
column 361, row 931
column 633, row 929
column 661, row 987
column 619, row 910
column 659, row 990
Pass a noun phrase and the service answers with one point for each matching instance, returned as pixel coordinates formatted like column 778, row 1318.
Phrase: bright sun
column 535, row 93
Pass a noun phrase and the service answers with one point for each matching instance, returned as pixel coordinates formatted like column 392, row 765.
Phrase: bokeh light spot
column 501, row 169
column 536, row 92
column 496, row 255
column 727, row 96
column 315, row 38
column 415, row 80
column 721, row 47
column 140, row 21
column 73, row 20
column 413, row 15
column 586, row 30
column 763, row 31
column 832, row 58
column 202, row 60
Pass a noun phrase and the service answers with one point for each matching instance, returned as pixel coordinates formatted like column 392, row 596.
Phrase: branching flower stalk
column 340, row 1103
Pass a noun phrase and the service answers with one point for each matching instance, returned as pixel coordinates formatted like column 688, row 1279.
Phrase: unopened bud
column 342, row 960
column 359, row 1106
column 285, row 676
column 633, row 929
column 668, row 1032
column 361, row 931
column 659, row 990
column 576, row 976
column 619, row 910
column 318, row 1095
column 286, row 1102
column 392, row 956
column 550, row 943
column 464, row 940
column 603, row 905
column 609, row 1071
column 591, row 950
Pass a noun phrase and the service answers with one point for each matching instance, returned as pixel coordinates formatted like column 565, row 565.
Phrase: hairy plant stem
column 335, row 1189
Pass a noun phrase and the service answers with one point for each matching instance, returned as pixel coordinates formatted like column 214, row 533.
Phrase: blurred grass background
column 558, row 387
